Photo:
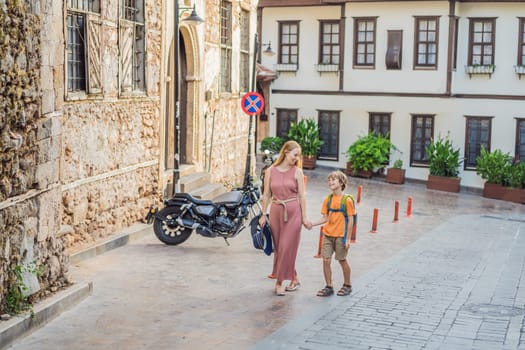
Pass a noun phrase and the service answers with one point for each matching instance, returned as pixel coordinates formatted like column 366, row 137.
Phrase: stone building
column 88, row 130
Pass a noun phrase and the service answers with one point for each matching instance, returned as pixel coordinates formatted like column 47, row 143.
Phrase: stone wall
column 29, row 140
column 110, row 150
column 230, row 127
column 109, row 178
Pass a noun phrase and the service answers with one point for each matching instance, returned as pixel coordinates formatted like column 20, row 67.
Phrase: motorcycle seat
column 195, row 200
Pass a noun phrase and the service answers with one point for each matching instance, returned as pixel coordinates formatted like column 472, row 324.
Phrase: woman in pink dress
column 284, row 189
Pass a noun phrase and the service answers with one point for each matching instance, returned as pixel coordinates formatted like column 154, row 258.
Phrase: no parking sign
column 252, row 103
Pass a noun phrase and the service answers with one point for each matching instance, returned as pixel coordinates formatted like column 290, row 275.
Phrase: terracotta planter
column 395, row 176
column 309, row 162
column 359, row 173
column 447, row 184
column 515, row 195
column 494, row 191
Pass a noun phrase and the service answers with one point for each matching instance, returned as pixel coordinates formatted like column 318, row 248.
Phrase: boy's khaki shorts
column 331, row 245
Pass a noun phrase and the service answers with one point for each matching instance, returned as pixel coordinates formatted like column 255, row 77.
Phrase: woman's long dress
column 286, row 234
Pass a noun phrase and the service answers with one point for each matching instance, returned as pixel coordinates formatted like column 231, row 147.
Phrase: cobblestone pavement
column 448, row 277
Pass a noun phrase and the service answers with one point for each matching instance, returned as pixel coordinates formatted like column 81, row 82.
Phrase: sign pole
column 252, row 104
column 247, row 170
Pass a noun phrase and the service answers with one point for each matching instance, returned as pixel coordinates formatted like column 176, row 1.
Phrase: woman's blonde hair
column 340, row 176
column 288, row 147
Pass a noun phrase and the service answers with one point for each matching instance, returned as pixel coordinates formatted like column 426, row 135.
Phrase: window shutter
column 126, row 56
column 94, row 55
column 393, row 53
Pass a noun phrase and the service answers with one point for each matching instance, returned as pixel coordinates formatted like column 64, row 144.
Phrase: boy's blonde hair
column 339, row 175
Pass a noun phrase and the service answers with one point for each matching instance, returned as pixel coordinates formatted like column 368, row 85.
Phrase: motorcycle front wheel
column 168, row 231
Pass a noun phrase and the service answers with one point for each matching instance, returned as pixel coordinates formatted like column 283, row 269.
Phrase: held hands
column 307, row 224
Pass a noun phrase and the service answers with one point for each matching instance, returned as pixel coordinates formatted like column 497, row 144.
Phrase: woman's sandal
column 345, row 290
column 292, row 287
column 279, row 291
column 326, row 291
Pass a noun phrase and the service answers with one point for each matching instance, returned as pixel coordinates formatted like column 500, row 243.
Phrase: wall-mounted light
column 193, row 18
column 268, row 51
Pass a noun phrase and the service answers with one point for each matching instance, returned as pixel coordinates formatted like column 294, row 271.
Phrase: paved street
column 448, row 277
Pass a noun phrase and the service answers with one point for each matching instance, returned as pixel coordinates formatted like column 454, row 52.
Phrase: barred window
column 285, row 117
column 132, row 46
column 83, row 26
column 520, row 140
column 244, row 83
column 420, row 138
column 477, row 135
column 226, row 46
column 329, row 134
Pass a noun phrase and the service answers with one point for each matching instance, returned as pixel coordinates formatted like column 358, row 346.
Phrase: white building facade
column 414, row 69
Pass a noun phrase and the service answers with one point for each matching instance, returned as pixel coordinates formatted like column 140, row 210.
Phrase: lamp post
column 193, row 19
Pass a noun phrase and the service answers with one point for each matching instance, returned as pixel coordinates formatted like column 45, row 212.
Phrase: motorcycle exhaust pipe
column 188, row 223
column 204, row 231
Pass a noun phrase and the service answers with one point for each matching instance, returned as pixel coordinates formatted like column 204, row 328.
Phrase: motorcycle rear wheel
column 170, row 234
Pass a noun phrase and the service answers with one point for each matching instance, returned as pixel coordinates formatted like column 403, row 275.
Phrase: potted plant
column 306, row 133
column 443, row 163
column 491, row 167
column 515, row 182
column 396, row 173
column 272, row 144
column 368, row 154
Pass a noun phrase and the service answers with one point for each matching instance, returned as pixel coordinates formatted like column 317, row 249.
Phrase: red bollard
column 359, row 190
column 374, row 221
column 396, row 212
column 354, row 232
column 409, row 207
column 320, row 243
column 305, row 181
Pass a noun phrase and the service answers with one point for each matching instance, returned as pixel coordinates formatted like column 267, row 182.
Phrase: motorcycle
column 224, row 216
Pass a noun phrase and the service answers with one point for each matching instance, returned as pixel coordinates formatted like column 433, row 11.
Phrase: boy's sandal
column 326, row 291
column 345, row 290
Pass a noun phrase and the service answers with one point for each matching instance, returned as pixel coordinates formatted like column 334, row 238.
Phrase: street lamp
column 193, row 19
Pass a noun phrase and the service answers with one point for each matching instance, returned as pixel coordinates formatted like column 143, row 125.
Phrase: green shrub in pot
column 443, row 158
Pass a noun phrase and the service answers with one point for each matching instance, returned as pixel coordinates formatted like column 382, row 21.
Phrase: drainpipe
column 342, row 25
column 176, row 167
column 451, row 48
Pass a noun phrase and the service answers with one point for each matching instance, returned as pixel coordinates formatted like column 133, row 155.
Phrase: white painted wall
column 450, row 111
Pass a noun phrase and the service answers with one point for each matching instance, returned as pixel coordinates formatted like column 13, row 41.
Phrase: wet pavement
column 447, row 277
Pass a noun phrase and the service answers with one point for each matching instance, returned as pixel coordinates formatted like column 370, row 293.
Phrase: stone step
column 194, row 181
column 187, row 169
column 209, row 191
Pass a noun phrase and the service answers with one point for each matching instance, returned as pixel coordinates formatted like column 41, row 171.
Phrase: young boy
column 334, row 233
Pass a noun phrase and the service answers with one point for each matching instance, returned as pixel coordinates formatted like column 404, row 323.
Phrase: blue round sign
column 252, row 103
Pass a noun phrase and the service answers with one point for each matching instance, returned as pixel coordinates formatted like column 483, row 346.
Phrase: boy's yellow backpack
column 342, row 209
